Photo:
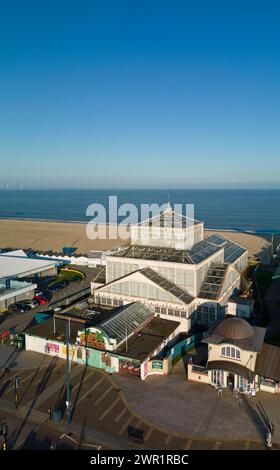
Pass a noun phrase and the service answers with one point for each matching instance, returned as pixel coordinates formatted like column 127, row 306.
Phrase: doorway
column 230, row 381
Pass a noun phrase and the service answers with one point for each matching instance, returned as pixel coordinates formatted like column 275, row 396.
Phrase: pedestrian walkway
column 102, row 412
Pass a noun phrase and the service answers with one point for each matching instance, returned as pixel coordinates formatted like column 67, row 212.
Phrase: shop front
column 129, row 367
column 232, row 376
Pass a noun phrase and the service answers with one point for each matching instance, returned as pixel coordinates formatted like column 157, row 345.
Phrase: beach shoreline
column 84, row 222
column 46, row 235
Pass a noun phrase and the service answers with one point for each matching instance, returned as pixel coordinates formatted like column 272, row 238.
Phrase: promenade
column 104, row 407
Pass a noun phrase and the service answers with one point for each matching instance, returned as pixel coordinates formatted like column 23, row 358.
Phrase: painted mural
column 92, row 339
column 52, row 348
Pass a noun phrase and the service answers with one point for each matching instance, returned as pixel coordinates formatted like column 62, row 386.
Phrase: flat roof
column 241, row 300
column 148, row 339
column 87, row 315
column 18, row 265
column 140, row 345
column 46, row 330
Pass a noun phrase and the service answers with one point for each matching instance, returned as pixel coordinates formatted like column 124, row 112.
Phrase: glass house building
column 174, row 270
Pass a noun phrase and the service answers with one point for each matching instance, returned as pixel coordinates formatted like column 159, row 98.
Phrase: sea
column 251, row 210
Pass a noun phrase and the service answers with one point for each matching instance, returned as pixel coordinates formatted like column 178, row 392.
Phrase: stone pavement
column 171, row 414
column 194, row 409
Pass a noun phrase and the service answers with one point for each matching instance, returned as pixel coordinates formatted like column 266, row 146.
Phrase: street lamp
column 68, row 402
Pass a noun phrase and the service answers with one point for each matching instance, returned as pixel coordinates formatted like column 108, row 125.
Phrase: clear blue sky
column 140, row 93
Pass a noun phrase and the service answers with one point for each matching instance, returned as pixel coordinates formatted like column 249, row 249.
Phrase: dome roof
column 235, row 328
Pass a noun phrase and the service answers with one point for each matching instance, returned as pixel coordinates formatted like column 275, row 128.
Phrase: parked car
column 54, row 287
column 19, row 307
column 38, row 292
column 15, row 308
column 76, row 278
column 63, row 283
column 40, row 299
column 31, row 303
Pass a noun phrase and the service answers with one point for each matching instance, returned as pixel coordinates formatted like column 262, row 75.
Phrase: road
column 32, row 436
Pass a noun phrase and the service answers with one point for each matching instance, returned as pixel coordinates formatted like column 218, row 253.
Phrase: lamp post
column 68, row 402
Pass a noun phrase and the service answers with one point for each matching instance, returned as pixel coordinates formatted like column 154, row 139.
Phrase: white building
column 16, row 268
column 171, row 268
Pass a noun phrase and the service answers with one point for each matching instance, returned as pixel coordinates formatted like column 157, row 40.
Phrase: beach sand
column 47, row 235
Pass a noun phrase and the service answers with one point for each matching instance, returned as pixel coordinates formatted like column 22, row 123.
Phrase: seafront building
column 148, row 303
column 237, row 358
column 17, row 274
column 174, row 271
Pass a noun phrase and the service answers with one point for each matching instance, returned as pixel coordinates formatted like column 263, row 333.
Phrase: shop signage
column 157, row 365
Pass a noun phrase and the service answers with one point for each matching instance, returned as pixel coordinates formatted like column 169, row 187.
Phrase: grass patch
column 66, row 275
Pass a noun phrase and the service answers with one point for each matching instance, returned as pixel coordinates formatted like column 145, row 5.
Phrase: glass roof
column 198, row 253
column 127, row 319
column 167, row 285
column 231, row 249
column 212, row 285
column 169, row 219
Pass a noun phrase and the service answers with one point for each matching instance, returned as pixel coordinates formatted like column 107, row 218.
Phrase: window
column 157, row 309
column 230, row 352
column 170, row 312
column 217, row 377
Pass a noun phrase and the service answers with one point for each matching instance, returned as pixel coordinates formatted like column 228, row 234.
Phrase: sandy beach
column 49, row 235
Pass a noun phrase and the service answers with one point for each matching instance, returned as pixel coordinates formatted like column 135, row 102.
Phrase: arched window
column 230, row 352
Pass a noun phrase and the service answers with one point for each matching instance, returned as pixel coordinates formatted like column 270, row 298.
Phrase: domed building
column 237, row 358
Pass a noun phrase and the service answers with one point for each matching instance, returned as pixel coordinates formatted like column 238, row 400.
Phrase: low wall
column 198, row 376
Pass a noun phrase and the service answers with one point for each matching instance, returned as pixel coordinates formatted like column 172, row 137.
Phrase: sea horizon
column 246, row 210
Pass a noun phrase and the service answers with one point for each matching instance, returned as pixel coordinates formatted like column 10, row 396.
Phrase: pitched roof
column 212, row 285
column 232, row 250
column 125, row 321
column 268, row 362
column 169, row 219
column 167, row 285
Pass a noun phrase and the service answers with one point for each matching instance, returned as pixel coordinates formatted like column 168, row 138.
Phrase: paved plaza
column 194, row 409
column 171, row 412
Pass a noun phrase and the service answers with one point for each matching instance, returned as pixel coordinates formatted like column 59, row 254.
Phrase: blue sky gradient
column 129, row 93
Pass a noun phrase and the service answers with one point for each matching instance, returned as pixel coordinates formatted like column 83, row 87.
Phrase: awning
column 232, row 367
